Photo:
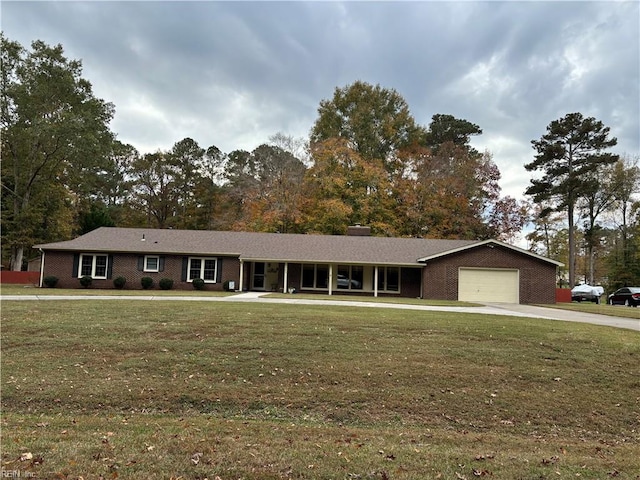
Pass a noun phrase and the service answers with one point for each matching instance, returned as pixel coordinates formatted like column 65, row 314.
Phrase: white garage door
column 488, row 285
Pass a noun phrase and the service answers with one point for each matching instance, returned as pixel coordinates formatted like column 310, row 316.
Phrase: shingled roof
column 278, row 247
column 262, row 246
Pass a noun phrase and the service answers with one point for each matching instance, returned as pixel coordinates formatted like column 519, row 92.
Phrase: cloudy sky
column 231, row 74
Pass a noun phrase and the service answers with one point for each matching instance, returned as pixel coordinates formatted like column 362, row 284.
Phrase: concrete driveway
column 516, row 310
column 570, row 316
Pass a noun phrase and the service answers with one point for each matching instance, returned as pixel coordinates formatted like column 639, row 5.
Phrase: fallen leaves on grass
column 488, row 456
column 481, row 473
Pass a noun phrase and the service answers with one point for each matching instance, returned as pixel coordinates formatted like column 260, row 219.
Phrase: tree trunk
column 17, row 253
column 572, row 246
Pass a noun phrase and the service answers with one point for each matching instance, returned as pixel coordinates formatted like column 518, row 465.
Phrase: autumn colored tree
column 271, row 191
column 449, row 192
column 343, row 189
column 506, row 219
column 375, row 122
column 573, row 148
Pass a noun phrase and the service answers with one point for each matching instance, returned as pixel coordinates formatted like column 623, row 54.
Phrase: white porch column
column 375, row 281
column 285, row 287
column 330, row 279
column 241, row 274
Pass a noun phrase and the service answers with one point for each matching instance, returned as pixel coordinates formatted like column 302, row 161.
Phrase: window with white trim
column 204, row 268
column 151, row 263
column 350, row 277
column 94, row 266
column 315, row 276
column 389, row 279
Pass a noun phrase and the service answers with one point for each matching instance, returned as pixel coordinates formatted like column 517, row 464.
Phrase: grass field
column 194, row 390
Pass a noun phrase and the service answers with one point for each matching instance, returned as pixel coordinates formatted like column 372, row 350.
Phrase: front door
column 258, row 279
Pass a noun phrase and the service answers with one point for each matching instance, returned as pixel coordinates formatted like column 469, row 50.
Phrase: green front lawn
column 198, row 390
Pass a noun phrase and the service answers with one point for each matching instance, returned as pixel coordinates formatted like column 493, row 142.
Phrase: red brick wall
column 60, row 264
column 440, row 277
column 410, row 282
column 537, row 277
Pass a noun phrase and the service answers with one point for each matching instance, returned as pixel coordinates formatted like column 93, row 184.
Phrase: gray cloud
column 231, row 74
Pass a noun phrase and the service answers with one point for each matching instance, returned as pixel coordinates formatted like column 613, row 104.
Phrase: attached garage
column 488, row 285
column 491, row 272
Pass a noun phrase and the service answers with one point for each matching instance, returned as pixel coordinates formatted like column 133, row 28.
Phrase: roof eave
column 489, row 242
column 328, row 261
column 136, row 252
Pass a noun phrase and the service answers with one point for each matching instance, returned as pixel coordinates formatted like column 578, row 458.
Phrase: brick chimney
column 358, row 230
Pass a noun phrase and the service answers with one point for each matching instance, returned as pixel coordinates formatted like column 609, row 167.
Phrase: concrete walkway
column 516, row 310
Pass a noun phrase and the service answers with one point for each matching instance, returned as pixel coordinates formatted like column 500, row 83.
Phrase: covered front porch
column 330, row 278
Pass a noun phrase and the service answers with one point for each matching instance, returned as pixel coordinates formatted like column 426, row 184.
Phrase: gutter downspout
column 41, row 268
column 240, row 287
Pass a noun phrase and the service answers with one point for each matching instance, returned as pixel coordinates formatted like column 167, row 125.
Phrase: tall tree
column 240, row 177
column 625, row 186
column 210, row 206
column 624, row 260
column 572, row 148
column 506, row 218
column 448, row 193
column 298, row 147
column 549, row 237
column 105, row 199
column 187, row 157
column 272, row 198
column 114, row 182
column 53, row 130
column 343, row 189
column 447, row 128
column 598, row 196
column 155, row 193
column 374, row 121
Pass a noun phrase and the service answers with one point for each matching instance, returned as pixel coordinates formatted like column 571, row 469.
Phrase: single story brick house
column 356, row 263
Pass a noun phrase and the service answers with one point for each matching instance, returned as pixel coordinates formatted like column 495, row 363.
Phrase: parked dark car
column 629, row 296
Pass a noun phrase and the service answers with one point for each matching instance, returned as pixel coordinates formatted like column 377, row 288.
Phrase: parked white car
column 587, row 293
